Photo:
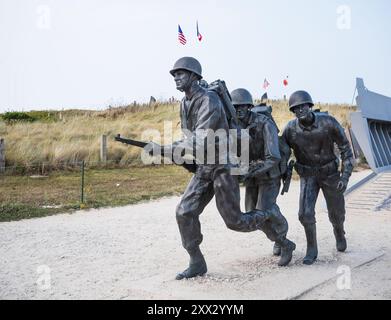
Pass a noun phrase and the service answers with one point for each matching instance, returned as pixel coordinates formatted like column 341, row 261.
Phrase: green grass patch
column 23, row 197
column 14, row 212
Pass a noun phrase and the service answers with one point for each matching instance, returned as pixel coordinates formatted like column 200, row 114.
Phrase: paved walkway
column 134, row 252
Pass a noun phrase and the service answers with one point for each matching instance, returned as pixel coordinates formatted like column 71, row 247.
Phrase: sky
column 95, row 53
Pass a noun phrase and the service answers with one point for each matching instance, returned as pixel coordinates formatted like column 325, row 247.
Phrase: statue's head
column 300, row 103
column 186, row 71
column 242, row 101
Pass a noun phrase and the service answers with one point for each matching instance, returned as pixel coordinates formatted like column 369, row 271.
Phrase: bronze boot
column 287, row 248
column 312, row 246
column 276, row 249
column 339, row 234
column 197, row 265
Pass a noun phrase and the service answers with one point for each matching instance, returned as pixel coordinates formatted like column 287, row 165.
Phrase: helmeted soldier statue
column 263, row 186
column 201, row 110
column 312, row 136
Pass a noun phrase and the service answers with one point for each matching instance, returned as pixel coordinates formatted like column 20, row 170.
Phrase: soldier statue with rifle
column 201, row 112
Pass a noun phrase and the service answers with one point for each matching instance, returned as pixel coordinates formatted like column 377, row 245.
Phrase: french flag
column 199, row 35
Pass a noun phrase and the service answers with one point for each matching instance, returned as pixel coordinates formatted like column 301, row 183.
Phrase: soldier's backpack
column 220, row 88
column 284, row 148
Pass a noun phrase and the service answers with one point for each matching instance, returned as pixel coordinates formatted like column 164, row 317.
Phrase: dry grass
column 282, row 115
column 76, row 134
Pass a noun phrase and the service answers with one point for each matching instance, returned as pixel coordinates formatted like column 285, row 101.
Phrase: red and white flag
column 265, row 84
column 285, row 82
column 199, row 35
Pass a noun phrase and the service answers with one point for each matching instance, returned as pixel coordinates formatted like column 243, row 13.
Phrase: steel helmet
column 298, row 98
column 241, row 96
column 188, row 63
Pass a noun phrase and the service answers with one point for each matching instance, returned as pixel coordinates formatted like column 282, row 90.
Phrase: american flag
column 181, row 36
column 265, row 84
column 199, row 35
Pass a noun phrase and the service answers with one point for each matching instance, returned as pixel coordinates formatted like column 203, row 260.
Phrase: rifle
column 132, row 142
column 191, row 167
column 288, row 177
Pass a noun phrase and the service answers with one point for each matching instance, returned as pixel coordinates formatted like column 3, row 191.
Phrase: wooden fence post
column 2, row 155
column 103, row 148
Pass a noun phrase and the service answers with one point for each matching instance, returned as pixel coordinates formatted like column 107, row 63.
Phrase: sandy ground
column 134, row 252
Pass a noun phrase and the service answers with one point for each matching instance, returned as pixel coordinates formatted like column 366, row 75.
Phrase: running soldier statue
column 263, row 184
column 201, row 112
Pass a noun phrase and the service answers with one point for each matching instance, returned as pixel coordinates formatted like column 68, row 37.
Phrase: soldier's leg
column 309, row 190
column 253, row 200
column 197, row 195
column 257, row 197
column 336, row 209
column 267, row 198
column 251, row 197
column 227, row 193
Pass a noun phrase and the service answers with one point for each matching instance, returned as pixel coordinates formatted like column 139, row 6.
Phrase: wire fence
column 86, row 184
column 45, row 168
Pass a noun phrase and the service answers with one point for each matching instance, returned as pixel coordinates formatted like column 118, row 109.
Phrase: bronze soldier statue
column 200, row 110
column 263, row 185
column 312, row 136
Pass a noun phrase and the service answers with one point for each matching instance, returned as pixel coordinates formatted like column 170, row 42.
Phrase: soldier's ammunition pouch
column 326, row 170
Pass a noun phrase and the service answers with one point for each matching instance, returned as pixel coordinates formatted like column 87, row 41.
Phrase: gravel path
column 134, row 252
